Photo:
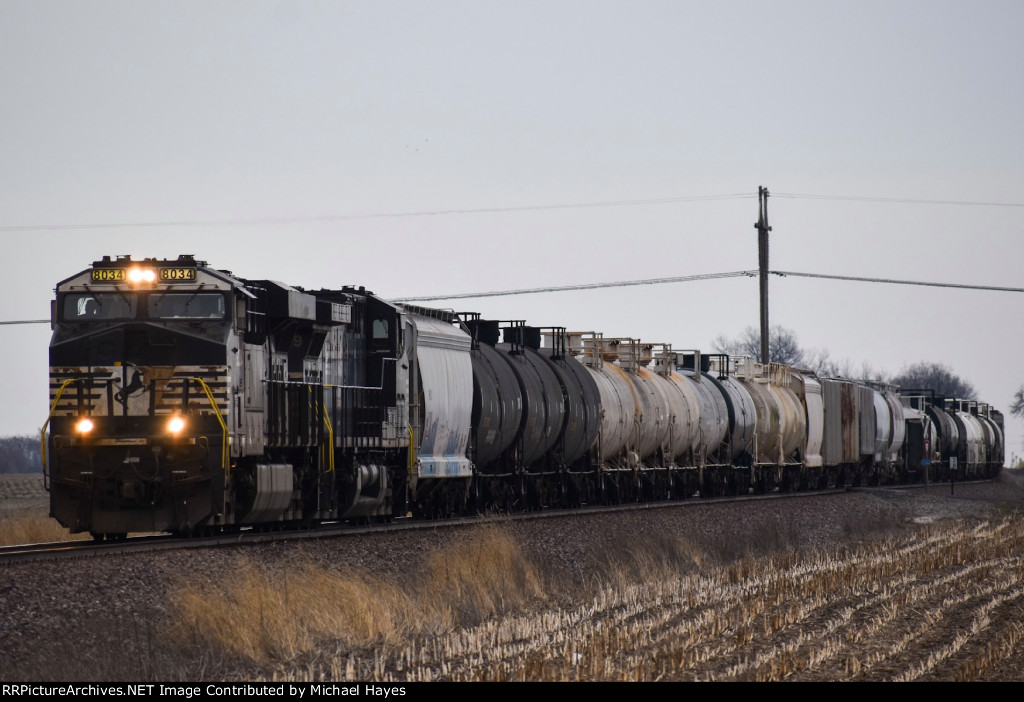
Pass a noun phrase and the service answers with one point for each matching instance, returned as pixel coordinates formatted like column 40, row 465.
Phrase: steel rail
column 250, row 536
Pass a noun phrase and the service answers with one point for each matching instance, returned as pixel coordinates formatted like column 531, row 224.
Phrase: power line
column 899, row 200
column 707, row 276
column 585, row 286
column 379, row 215
column 893, row 281
column 663, row 281
column 480, row 210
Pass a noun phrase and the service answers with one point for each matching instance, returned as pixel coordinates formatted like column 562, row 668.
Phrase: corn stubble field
column 897, row 602
column 942, row 604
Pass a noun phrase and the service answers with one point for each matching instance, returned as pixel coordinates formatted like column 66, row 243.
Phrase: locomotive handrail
column 412, row 450
column 327, row 423
column 224, row 427
column 330, row 437
column 42, row 432
column 340, row 387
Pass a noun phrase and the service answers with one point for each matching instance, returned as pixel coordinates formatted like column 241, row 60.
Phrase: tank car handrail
column 663, row 361
column 224, row 427
column 42, row 432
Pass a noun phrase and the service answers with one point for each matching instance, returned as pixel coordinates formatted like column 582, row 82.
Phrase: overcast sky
column 264, row 137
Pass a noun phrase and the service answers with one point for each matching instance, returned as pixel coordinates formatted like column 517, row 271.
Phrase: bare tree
column 1017, row 407
column 783, row 346
column 20, row 454
column 821, row 362
column 934, row 376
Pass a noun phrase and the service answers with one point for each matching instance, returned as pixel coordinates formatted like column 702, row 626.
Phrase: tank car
column 960, row 439
column 535, row 416
column 781, row 430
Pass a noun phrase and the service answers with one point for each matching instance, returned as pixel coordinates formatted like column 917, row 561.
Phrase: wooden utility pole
column 762, row 255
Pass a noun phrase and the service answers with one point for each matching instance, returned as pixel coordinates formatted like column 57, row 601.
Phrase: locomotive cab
column 139, row 364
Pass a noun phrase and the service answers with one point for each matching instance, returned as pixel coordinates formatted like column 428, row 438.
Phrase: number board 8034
column 177, row 275
column 108, row 275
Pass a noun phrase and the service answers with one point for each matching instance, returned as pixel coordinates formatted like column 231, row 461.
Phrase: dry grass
column 24, row 512
column 27, row 526
column 941, row 603
column 484, row 575
column 264, row 616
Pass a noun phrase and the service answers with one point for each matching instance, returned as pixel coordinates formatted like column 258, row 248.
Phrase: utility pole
column 762, row 256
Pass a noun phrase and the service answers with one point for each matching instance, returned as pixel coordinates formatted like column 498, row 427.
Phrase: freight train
column 186, row 399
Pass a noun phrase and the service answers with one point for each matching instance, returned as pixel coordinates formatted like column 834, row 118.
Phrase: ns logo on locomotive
column 186, row 399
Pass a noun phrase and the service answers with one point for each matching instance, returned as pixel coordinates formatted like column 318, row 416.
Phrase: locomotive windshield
column 194, row 305
column 96, row 306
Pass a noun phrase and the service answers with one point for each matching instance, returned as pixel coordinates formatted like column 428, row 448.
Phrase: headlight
column 176, row 425
column 84, row 425
column 142, row 275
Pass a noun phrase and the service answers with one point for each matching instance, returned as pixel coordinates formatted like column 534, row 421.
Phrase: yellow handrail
column 53, row 408
column 327, row 423
column 224, row 427
column 330, row 436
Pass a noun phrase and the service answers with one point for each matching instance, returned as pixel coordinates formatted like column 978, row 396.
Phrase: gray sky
column 241, row 111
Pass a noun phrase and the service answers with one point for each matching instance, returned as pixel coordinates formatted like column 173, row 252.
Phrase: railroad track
column 938, row 487
column 163, row 542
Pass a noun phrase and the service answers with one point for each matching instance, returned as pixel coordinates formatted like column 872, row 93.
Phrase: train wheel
column 109, row 536
column 571, row 496
column 610, row 489
column 534, row 495
column 519, row 499
column 707, row 489
column 684, row 486
column 743, row 481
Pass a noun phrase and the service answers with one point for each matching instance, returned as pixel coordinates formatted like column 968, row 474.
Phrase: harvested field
column 22, row 490
column 24, row 509
column 893, row 585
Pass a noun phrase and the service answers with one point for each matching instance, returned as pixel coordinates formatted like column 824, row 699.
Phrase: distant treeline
column 20, row 454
